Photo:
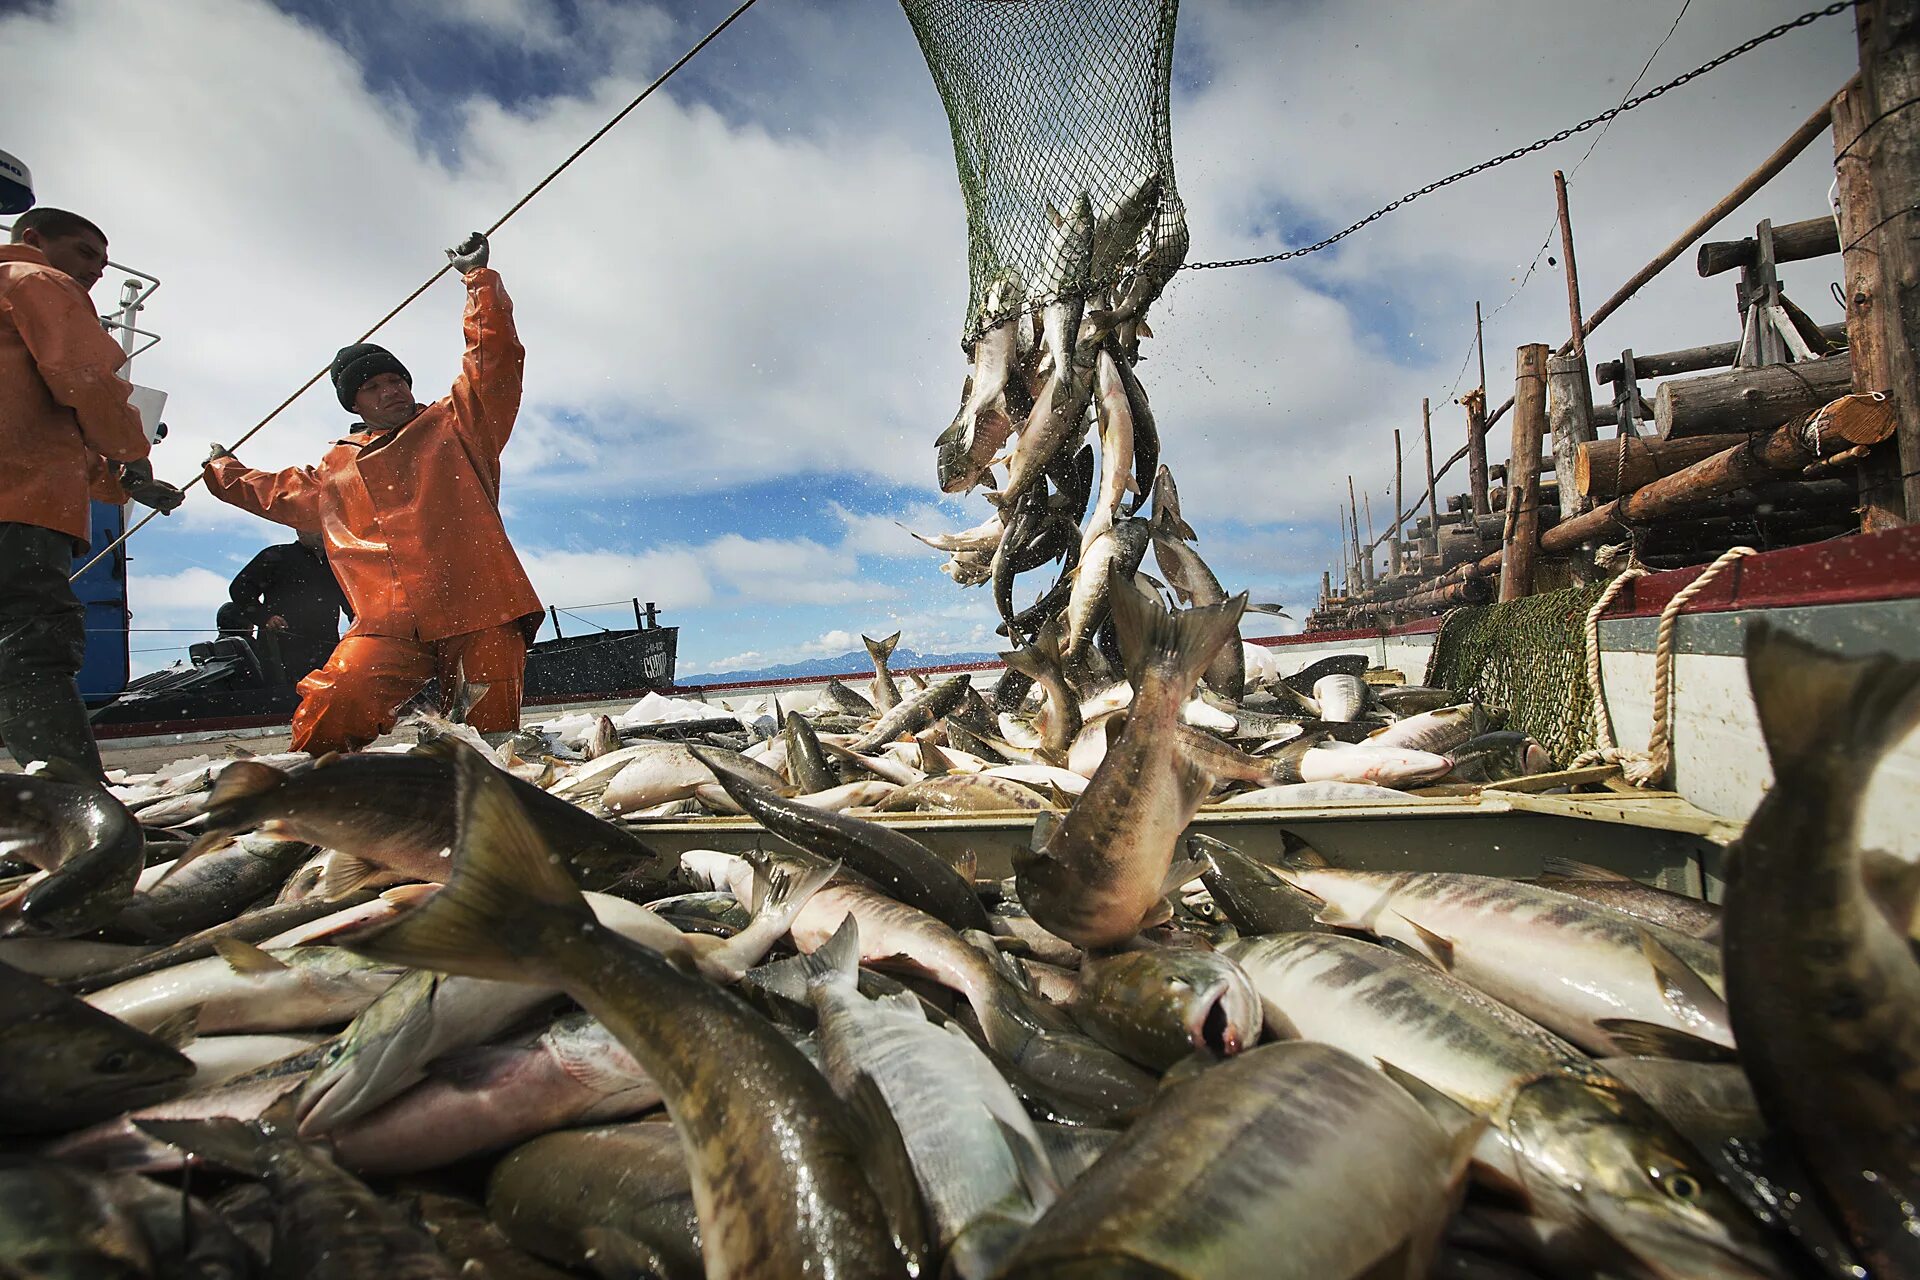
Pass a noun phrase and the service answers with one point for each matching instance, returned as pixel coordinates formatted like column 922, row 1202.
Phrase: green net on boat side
column 1528, row 656
column 1049, row 100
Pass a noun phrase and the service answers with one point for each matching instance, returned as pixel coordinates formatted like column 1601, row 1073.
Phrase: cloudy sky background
column 741, row 307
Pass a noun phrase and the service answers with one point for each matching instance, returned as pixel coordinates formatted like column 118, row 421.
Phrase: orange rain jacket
column 411, row 514
column 63, row 410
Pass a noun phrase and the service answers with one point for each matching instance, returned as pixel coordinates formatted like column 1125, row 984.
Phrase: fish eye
column 113, row 1063
column 1680, row 1186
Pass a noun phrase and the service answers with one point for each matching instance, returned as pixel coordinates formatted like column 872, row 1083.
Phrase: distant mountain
column 856, row 664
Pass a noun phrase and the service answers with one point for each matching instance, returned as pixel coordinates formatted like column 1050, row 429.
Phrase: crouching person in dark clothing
column 289, row 601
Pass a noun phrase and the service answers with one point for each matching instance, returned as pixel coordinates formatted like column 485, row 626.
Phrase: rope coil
column 1649, row 768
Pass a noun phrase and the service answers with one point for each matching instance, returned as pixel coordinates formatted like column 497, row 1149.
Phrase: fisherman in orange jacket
column 67, row 432
column 408, row 503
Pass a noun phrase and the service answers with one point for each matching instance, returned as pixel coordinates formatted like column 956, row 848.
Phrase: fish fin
column 1441, row 949
column 506, row 882
column 244, row 957
column 1638, row 1039
column 207, row 842
column 1186, row 868
column 968, row 865
column 889, row 1170
column 836, row 961
column 1569, row 869
column 407, row 895
column 1044, row 825
column 1029, row 1156
column 1462, row 1125
column 1283, row 763
column 1149, row 634
column 1814, row 705
column 241, row 779
column 1268, row 606
column 933, row 761
column 1684, row 990
column 1893, row 883
column 180, row 1030
column 345, row 872
column 788, row 890
column 1027, row 662
column 225, row 1141
column 881, row 649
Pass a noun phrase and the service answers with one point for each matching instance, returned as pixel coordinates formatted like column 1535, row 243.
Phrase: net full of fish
column 1145, row 1053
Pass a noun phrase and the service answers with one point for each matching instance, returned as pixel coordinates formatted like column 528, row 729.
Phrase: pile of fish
column 439, row 1010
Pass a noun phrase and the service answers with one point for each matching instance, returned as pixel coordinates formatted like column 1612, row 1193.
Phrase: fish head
column 1163, row 1005
column 1594, row 1151
column 715, row 870
column 1534, row 759
column 94, row 1064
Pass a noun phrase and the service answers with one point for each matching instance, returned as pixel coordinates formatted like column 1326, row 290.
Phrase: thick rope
column 1647, row 768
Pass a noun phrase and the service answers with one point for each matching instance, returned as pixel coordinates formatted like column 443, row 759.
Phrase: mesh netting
column 1048, row 99
column 1528, row 656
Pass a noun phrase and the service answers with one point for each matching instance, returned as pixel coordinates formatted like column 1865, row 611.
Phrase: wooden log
column 1889, row 40
column 1475, row 402
column 1882, row 500
column 1717, row 355
column 1426, row 432
column 1792, row 242
column 1849, row 420
column 1749, row 399
column 1451, row 595
column 1599, row 471
column 1570, row 418
column 1520, row 540
column 1399, row 504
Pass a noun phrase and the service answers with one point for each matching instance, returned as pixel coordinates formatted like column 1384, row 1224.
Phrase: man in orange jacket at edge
column 408, row 503
column 68, row 431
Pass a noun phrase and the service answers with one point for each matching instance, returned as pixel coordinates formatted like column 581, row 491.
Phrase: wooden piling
column 1399, row 505
column 1520, row 541
column 1433, row 509
column 1570, row 418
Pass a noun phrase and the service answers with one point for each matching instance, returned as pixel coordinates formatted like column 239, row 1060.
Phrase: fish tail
column 1150, row 636
column 225, row 1141
column 508, row 892
column 836, row 962
column 881, row 650
column 1825, row 712
column 1027, row 662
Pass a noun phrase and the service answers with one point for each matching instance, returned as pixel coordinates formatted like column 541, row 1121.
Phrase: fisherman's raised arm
column 486, row 396
column 290, row 497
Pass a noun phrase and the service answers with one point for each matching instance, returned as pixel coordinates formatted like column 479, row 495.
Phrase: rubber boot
column 46, row 720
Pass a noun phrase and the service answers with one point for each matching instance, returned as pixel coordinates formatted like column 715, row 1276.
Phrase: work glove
column 470, row 254
column 217, row 452
column 137, row 479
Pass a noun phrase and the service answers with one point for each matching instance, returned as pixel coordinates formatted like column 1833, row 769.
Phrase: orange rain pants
column 353, row 699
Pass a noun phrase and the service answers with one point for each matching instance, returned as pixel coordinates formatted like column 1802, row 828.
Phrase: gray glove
column 217, row 452
column 470, row 254
column 136, row 478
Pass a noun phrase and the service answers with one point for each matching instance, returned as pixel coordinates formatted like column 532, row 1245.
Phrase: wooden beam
column 1850, row 420
column 1570, row 418
column 1792, row 242
column 1749, row 399
column 1608, row 468
column 1520, row 541
column 1882, row 500
column 1889, row 42
column 1433, row 509
column 1716, row 355
column 1399, row 504
column 1475, row 402
column 1578, row 340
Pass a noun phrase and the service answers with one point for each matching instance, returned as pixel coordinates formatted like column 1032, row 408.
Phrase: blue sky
column 741, row 308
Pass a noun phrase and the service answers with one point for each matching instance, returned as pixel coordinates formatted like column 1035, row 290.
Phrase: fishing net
column 1528, row 656
column 1048, row 99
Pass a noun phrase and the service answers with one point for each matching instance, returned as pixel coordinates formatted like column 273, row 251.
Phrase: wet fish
column 58, row 1222
column 964, row 793
column 886, row 695
column 1342, row 697
column 245, row 988
column 68, row 1064
column 1312, row 759
column 388, row 811
column 1590, row 1153
column 892, row 859
column 511, row 912
column 1349, row 664
column 1159, row 1006
column 1098, row 874
column 1289, row 795
column 1624, row 893
column 213, row 889
column 1414, row 699
column 976, row 1154
column 1195, row 585
column 1251, row 894
column 484, row 1098
column 915, row 713
column 1112, row 557
column 569, row 1194
column 982, row 537
column 89, row 847
column 1439, row 731
column 1824, row 990
column 1114, row 415
column 1604, row 980
column 1253, row 1168
column 806, row 762
column 1495, row 757
column 1060, row 722
column 605, row 739
column 327, row 1223
column 671, row 771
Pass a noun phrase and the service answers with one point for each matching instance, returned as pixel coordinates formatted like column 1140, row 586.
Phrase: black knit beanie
column 359, row 362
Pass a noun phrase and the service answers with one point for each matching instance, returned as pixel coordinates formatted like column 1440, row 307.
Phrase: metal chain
column 1805, row 19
